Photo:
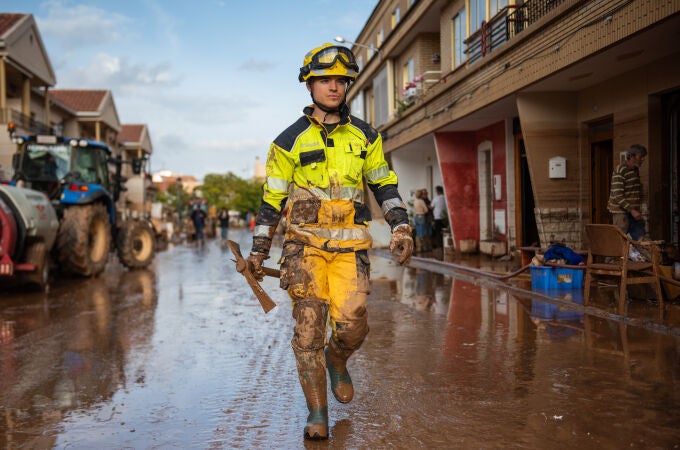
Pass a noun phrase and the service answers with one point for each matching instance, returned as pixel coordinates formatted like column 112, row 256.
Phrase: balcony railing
column 26, row 123
column 532, row 10
column 415, row 88
column 504, row 26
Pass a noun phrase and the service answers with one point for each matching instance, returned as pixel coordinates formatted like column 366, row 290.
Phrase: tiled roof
column 131, row 133
column 7, row 21
column 79, row 99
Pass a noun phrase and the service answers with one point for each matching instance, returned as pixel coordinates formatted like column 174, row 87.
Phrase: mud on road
column 182, row 356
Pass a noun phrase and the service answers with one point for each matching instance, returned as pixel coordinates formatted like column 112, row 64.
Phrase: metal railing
column 505, row 25
column 28, row 123
column 525, row 15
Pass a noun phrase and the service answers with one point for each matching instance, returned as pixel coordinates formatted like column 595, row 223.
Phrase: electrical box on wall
column 557, row 167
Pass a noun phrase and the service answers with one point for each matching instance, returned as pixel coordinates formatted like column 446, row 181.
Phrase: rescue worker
column 317, row 166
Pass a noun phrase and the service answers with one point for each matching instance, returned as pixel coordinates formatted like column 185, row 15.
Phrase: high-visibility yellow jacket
column 318, row 169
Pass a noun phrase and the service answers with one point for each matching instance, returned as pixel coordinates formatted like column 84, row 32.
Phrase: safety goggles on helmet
column 327, row 57
column 329, row 60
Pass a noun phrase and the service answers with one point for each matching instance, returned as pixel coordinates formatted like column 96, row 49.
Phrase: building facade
column 26, row 75
column 521, row 110
column 28, row 99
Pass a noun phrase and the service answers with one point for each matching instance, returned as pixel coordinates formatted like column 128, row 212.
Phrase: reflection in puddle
column 564, row 366
column 185, row 358
column 68, row 351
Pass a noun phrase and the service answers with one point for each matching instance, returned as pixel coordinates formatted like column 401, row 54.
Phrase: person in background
column 223, row 219
column 317, row 168
column 420, row 211
column 626, row 193
column 439, row 211
column 429, row 219
column 198, row 217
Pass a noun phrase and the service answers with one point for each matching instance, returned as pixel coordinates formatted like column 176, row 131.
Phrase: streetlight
column 342, row 40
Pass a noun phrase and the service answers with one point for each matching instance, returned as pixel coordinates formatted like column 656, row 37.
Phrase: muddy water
column 182, row 356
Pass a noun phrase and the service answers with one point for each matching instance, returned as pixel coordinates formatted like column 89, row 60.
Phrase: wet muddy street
column 182, row 356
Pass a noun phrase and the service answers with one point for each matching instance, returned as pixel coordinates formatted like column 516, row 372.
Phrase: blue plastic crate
column 551, row 277
column 541, row 277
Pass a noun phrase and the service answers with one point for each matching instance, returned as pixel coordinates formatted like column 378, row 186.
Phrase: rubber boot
column 341, row 382
column 312, row 374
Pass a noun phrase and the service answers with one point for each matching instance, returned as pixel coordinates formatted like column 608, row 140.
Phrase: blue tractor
column 75, row 175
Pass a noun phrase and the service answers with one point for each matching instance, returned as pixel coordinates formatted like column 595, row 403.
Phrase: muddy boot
column 336, row 361
column 312, row 374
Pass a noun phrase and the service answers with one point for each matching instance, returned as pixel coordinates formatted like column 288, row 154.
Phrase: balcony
column 24, row 123
column 416, row 88
column 504, row 26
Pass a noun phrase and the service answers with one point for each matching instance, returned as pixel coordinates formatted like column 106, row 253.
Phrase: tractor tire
column 37, row 254
column 136, row 244
column 84, row 240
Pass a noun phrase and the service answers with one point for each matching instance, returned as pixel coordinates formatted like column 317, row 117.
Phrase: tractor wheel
column 136, row 244
column 37, row 254
column 84, row 240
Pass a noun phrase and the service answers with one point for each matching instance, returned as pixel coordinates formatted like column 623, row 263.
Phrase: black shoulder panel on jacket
column 370, row 132
column 287, row 138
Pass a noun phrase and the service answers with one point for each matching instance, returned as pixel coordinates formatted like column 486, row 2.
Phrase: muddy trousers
column 325, row 287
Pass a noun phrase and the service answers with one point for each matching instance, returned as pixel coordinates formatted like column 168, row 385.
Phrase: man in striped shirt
column 626, row 192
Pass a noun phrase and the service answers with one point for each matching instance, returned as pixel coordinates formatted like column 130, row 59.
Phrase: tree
column 231, row 192
column 171, row 200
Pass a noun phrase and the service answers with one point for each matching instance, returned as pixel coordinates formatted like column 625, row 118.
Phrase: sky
column 214, row 80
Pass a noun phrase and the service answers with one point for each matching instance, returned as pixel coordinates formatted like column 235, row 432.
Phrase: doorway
column 525, row 220
column 600, row 138
column 485, row 170
column 667, row 200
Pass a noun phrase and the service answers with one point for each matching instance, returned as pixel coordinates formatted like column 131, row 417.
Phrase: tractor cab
column 53, row 164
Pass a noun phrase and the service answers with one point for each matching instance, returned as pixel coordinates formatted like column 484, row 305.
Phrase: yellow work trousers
column 326, row 287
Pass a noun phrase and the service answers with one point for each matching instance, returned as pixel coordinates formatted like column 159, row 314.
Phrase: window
column 380, row 98
column 357, row 106
column 408, row 73
column 477, row 14
column 395, row 17
column 495, row 6
column 459, row 36
column 371, row 50
column 379, row 38
column 360, row 62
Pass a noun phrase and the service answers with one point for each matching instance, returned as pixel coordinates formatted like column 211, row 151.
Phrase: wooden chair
column 608, row 255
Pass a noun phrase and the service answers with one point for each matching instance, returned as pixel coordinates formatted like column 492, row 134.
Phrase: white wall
column 411, row 165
